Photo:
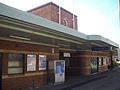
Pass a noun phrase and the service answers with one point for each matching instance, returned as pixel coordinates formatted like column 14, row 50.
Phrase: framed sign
column 31, row 62
column 42, row 62
column 66, row 54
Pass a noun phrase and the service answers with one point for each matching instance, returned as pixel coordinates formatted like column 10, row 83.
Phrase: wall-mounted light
column 19, row 37
column 53, row 50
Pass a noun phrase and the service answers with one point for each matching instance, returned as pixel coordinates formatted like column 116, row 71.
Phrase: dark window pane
column 15, row 63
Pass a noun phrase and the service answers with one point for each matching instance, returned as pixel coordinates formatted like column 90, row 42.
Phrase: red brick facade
column 80, row 62
column 50, row 11
column 27, row 79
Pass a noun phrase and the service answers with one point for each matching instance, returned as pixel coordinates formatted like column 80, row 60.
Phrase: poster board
column 42, row 62
column 31, row 62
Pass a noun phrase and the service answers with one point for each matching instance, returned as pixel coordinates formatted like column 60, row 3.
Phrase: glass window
column 107, row 60
column 31, row 62
column 100, row 61
column 15, row 63
column 104, row 60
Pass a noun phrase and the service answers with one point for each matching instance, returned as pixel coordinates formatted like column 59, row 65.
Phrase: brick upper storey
column 50, row 11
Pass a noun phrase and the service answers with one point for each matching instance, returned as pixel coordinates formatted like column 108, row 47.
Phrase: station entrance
column 67, row 57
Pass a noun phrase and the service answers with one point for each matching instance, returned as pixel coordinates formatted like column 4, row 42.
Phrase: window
column 108, row 60
column 15, row 63
column 31, row 62
column 104, row 60
column 100, row 61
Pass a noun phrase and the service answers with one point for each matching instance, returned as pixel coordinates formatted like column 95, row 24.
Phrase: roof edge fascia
column 103, row 39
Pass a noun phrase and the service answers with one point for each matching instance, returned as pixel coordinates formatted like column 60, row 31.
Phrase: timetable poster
column 31, row 62
column 42, row 62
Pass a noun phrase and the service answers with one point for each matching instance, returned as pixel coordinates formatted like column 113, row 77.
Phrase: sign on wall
column 31, row 62
column 66, row 54
column 42, row 62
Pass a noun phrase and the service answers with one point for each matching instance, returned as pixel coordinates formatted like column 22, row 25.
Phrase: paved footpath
column 109, row 80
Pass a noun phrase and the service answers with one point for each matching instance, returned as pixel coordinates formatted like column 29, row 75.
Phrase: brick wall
column 50, row 11
column 23, row 83
column 80, row 62
column 44, row 12
column 25, row 80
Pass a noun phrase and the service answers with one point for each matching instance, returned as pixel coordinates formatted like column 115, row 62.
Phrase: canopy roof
column 23, row 25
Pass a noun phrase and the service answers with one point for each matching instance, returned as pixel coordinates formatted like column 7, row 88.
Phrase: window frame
column 12, row 67
column 29, row 67
column 43, row 61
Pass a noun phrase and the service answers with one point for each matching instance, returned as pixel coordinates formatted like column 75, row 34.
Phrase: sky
column 100, row 17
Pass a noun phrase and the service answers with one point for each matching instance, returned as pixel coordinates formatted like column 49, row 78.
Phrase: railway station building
column 29, row 40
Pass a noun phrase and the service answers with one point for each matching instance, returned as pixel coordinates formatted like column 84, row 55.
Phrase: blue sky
column 99, row 17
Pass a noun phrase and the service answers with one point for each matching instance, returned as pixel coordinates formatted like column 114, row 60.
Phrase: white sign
column 31, row 62
column 66, row 54
column 42, row 62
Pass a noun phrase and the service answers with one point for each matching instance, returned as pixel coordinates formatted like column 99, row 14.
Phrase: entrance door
column 0, row 71
column 94, row 65
column 65, row 56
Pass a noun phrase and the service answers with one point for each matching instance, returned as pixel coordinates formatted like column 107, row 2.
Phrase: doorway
column 94, row 65
column 63, row 55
